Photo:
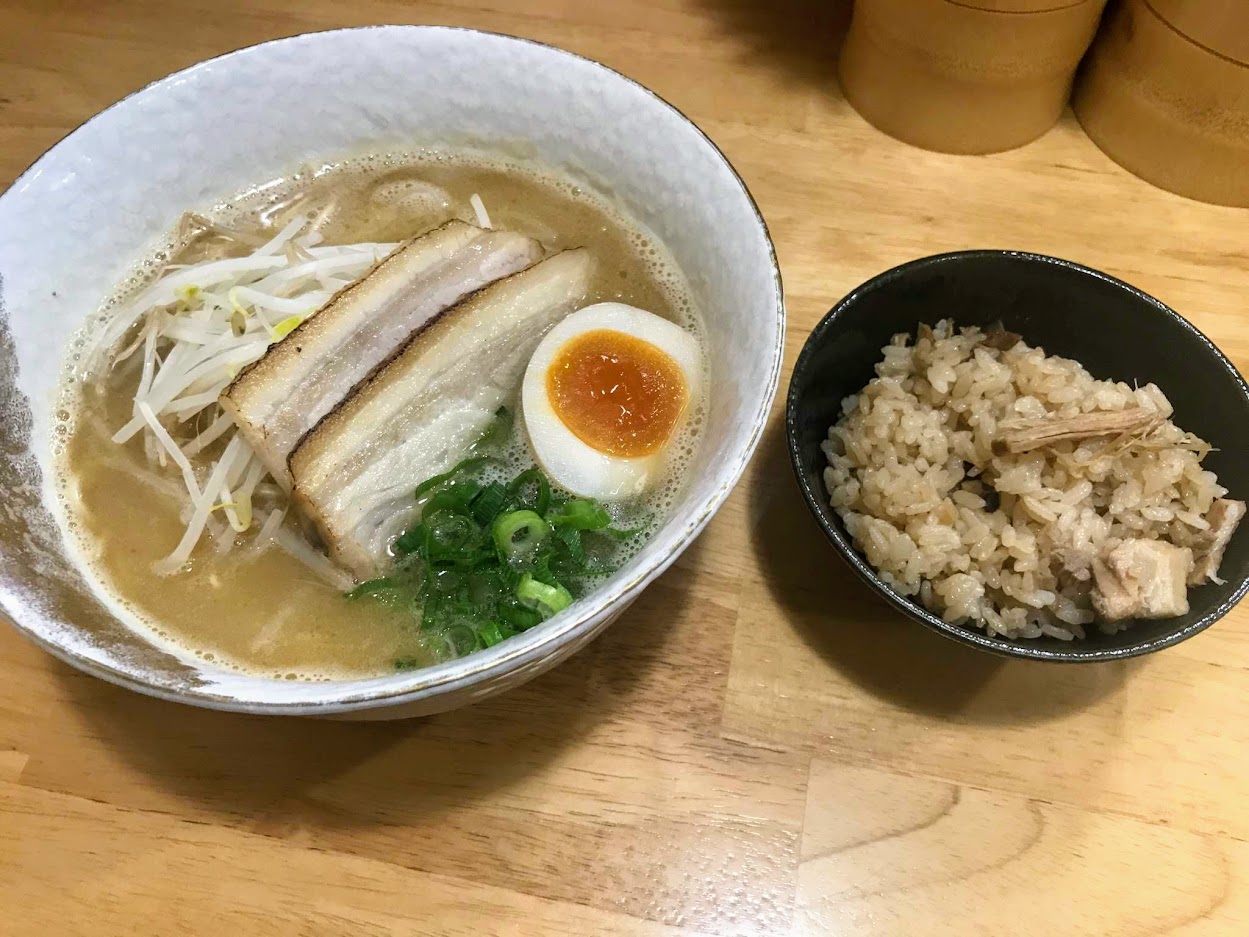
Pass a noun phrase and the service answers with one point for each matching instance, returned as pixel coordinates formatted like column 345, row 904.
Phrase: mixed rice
column 1010, row 490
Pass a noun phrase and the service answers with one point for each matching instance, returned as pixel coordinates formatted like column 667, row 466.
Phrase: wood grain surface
column 759, row 746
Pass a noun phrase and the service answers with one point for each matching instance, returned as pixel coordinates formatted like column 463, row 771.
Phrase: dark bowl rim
column 815, row 499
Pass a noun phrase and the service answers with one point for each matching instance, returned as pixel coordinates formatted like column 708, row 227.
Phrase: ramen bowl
column 74, row 224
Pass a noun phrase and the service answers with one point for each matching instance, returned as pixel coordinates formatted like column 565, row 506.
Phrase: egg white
column 569, row 461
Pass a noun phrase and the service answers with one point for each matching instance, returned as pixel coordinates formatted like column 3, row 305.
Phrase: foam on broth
column 268, row 615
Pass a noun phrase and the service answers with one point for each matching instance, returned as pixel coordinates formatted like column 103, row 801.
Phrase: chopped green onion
column 570, row 537
column 492, row 632
column 430, row 610
column 409, row 541
column 489, row 561
column 489, row 503
column 484, row 587
column 506, row 528
column 542, row 490
column 541, row 596
column 468, row 465
column 581, row 514
column 452, row 537
column 374, row 588
column 446, row 582
column 455, row 497
column 497, row 433
column 467, row 490
column 463, row 639
column 519, row 616
column 616, row 534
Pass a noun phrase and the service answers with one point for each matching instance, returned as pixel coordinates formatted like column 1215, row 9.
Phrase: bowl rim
column 815, row 499
column 544, row 641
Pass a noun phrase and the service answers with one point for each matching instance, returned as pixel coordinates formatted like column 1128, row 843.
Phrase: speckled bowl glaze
column 72, row 225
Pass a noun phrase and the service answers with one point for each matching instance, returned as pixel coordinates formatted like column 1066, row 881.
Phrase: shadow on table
column 326, row 774
column 868, row 641
column 802, row 37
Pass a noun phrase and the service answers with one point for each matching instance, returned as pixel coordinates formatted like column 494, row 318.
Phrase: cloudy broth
column 266, row 613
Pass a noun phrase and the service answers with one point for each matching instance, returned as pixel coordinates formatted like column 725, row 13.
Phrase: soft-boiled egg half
column 605, row 393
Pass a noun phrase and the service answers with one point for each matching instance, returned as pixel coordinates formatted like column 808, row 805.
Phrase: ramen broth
column 265, row 612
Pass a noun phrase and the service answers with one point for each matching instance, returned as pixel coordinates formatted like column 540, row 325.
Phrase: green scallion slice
column 545, row 598
column 519, row 534
column 492, row 632
column 490, row 502
column 580, row 514
column 531, row 490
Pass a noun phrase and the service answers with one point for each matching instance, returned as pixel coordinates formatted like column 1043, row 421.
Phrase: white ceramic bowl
column 104, row 196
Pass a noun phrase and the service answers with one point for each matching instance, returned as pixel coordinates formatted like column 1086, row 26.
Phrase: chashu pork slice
column 303, row 377
column 418, row 416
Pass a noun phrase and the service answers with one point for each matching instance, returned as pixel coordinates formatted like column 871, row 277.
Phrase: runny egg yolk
column 616, row 393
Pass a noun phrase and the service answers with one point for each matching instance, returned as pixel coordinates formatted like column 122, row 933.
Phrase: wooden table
column 759, row 746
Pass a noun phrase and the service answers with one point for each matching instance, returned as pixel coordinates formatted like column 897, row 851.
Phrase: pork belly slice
column 354, row 474
column 304, row 376
column 1142, row 579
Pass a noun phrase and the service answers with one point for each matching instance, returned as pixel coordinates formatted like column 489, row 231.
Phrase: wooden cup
column 974, row 76
column 1167, row 107
column 1220, row 25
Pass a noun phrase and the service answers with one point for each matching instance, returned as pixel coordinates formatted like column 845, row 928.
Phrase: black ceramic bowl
column 1114, row 330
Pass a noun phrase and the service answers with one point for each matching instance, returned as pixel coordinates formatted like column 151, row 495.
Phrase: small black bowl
column 1114, row 330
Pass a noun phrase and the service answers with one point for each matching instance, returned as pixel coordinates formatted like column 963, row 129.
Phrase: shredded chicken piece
column 1142, row 579
column 1223, row 518
column 1018, row 436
